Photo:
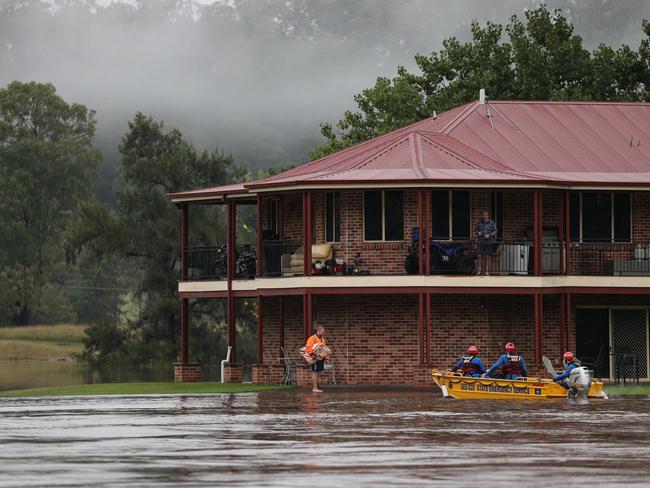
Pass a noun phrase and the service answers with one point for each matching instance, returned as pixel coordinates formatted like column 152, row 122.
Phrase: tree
column 46, row 165
column 143, row 232
column 543, row 59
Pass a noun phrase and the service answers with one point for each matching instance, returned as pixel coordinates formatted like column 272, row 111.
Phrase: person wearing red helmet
column 512, row 364
column 570, row 363
column 470, row 364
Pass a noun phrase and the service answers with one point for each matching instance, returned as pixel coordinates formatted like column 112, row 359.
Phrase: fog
column 254, row 77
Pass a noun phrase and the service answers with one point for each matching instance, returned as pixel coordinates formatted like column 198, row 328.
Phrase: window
column 275, row 215
column 450, row 215
column 601, row 217
column 383, row 216
column 333, row 217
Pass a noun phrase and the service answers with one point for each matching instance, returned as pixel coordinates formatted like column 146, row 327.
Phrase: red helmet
column 510, row 347
column 472, row 350
column 568, row 356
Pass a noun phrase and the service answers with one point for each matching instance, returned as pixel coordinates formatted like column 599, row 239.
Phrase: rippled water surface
column 338, row 439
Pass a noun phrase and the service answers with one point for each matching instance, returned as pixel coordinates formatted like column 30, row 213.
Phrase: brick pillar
column 187, row 372
column 233, row 373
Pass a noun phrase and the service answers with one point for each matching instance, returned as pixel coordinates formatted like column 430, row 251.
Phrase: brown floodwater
column 342, row 438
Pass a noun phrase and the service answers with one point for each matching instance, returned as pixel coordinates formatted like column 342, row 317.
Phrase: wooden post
column 232, row 242
column 562, row 322
column 232, row 328
column 567, row 227
column 307, row 237
column 184, row 240
column 427, row 232
column 260, row 330
column 260, row 237
column 561, row 232
column 428, row 332
column 538, row 304
column 281, row 312
column 306, row 315
column 537, row 225
column 420, row 232
column 421, row 325
column 185, row 347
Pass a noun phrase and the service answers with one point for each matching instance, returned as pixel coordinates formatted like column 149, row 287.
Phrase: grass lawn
column 619, row 390
column 152, row 388
column 41, row 342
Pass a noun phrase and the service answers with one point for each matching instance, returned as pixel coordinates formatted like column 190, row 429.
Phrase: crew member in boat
column 470, row 364
column 512, row 365
column 570, row 363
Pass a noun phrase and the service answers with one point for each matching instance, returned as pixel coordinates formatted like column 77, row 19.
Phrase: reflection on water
column 341, row 438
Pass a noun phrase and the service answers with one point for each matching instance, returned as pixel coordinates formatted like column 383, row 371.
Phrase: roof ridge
column 459, row 118
column 571, row 102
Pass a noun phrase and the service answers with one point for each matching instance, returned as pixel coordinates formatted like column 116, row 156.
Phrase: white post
column 481, row 96
column 224, row 361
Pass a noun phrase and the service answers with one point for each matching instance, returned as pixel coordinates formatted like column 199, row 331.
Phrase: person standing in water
column 318, row 366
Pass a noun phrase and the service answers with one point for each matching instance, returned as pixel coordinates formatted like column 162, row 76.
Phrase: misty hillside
column 255, row 77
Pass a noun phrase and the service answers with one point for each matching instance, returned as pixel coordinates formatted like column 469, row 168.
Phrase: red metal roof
column 528, row 142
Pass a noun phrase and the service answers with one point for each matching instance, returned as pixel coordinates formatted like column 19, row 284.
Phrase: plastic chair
column 290, row 364
column 328, row 366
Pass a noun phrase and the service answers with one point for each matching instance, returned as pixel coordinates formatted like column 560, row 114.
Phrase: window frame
column 612, row 238
column 335, row 195
column 274, row 215
column 383, row 216
column 450, row 217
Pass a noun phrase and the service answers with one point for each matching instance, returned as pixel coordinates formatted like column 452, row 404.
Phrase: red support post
column 260, row 330
column 184, row 240
column 567, row 335
column 232, row 328
column 562, row 233
column 307, row 231
column 538, row 327
column 562, row 322
column 260, row 237
column 185, row 347
column 537, row 225
column 427, row 232
column 428, row 332
column 232, row 242
column 420, row 232
column 306, row 315
column 421, row 325
column 567, row 229
column 281, row 312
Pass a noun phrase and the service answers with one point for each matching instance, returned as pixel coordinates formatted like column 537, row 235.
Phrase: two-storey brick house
column 568, row 184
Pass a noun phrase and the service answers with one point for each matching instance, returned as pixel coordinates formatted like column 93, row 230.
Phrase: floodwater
column 341, row 438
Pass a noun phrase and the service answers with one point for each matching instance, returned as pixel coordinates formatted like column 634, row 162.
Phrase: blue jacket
column 503, row 360
column 565, row 374
column 480, row 369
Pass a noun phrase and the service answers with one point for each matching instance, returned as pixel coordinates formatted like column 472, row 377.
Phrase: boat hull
column 458, row 386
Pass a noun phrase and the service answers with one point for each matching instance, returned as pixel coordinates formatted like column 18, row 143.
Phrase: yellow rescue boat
column 455, row 385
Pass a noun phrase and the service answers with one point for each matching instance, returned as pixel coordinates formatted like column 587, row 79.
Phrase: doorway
column 592, row 339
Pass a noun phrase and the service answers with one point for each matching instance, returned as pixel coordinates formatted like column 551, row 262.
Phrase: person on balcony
column 486, row 238
column 570, row 362
column 470, row 364
column 512, row 364
column 319, row 365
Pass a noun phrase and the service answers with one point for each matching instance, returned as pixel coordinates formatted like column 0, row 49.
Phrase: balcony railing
column 513, row 258
column 609, row 259
column 211, row 262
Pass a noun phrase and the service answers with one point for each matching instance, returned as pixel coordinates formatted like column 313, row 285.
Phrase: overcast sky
column 256, row 79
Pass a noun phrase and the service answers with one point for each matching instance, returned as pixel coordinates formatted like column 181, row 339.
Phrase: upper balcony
column 371, row 239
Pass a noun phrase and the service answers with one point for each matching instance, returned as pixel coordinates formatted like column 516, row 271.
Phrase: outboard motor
column 579, row 382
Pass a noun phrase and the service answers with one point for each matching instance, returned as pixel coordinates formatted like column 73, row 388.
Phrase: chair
column 625, row 361
column 292, row 264
column 330, row 367
column 290, row 364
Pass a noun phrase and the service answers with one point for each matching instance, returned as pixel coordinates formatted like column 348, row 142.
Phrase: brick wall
column 375, row 339
column 641, row 217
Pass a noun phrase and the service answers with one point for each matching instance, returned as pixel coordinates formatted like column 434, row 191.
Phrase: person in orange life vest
column 318, row 366
column 470, row 364
column 512, row 365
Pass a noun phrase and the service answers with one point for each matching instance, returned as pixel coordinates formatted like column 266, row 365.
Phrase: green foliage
column 142, row 232
column 46, row 165
column 542, row 59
